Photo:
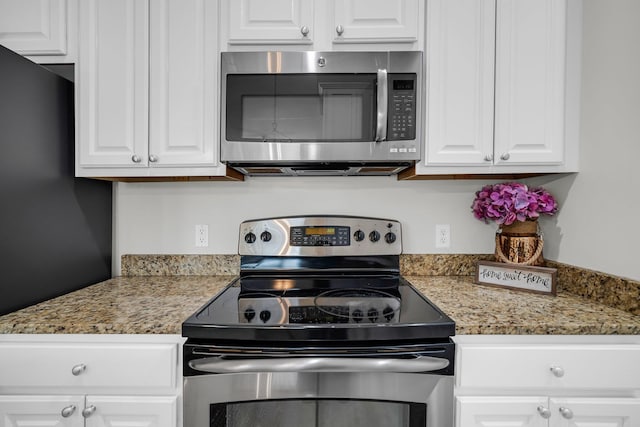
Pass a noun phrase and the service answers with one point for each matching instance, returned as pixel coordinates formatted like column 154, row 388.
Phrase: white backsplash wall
column 160, row 218
column 597, row 227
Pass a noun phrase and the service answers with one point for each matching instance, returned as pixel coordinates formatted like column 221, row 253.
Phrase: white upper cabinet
column 43, row 30
column 112, row 84
column 147, row 89
column 502, row 86
column 460, row 56
column 384, row 21
column 183, row 83
column 321, row 24
column 530, row 76
column 268, row 22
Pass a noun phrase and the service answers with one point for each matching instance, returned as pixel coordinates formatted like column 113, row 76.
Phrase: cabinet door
column 491, row 411
column 460, row 82
column 41, row 411
column 376, row 20
column 595, row 412
column 119, row 411
column 183, row 82
column 530, row 81
column 112, row 82
column 268, row 21
column 34, row 27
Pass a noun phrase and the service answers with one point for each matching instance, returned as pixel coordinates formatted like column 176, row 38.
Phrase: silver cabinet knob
column 67, row 411
column 505, row 156
column 488, row 157
column 78, row 369
column 88, row 411
column 339, row 30
column 557, row 371
column 153, row 158
column 304, row 30
column 544, row 412
column 566, row 412
column 136, row 159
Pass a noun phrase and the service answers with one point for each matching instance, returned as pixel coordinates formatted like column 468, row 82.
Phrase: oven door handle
column 221, row 365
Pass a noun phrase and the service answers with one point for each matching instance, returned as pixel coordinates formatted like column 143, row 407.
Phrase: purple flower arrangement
column 509, row 202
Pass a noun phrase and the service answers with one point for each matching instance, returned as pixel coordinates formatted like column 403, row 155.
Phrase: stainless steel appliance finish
column 319, row 330
column 287, row 236
column 321, row 113
column 319, row 399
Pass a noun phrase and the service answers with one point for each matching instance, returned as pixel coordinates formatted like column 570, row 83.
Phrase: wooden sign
column 514, row 276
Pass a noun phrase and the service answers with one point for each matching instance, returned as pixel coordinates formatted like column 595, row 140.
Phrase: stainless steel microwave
column 321, row 113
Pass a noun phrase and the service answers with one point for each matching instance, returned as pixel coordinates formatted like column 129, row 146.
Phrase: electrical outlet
column 202, row 235
column 443, row 235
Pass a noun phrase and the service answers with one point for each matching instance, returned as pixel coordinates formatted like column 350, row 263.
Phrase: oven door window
column 300, row 107
column 318, row 413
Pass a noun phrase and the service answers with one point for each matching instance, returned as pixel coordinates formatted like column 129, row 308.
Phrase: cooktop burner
column 279, row 309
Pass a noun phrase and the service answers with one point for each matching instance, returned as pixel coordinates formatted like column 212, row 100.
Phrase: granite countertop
column 159, row 304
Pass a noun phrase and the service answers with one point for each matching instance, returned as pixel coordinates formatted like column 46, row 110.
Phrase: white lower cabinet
column 547, row 381
column 49, row 411
column 541, row 411
column 90, row 381
column 87, row 411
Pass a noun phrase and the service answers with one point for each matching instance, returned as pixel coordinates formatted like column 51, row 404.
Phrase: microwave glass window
column 299, row 107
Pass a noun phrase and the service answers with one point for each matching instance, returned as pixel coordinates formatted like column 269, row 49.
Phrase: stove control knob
column 390, row 237
column 249, row 314
column 374, row 236
column 388, row 313
column 265, row 236
column 359, row 236
column 265, row 315
column 249, row 237
column 372, row 314
column 357, row 315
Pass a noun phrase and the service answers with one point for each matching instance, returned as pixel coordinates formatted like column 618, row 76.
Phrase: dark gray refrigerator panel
column 55, row 230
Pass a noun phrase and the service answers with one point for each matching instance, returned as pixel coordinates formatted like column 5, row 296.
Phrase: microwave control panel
column 402, row 107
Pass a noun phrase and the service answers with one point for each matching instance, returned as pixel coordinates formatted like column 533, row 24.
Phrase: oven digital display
column 320, row 235
column 322, row 231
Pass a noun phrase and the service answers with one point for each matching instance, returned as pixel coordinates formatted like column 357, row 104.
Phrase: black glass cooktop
column 320, row 308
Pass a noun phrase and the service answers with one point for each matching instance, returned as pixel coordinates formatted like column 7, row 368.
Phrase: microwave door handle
column 221, row 365
column 382, row 98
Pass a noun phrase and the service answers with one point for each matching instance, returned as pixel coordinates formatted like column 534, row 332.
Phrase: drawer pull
column 67, row 411
column 557, row 371
column 566, row 412
column 78, row 369
column 88, row 411
column 544, row 412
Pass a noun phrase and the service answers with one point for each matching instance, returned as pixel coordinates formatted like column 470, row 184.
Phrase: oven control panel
column 320, row 235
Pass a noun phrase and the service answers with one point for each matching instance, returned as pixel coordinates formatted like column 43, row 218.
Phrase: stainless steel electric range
column 319, row 329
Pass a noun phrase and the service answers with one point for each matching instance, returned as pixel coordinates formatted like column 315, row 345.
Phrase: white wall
column 159, row 218
column 598, row 225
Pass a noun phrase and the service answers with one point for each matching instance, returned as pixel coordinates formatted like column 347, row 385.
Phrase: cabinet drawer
column 141, row 367
column 526, row 366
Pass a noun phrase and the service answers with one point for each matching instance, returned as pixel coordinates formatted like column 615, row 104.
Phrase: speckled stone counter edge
column 612, row 291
